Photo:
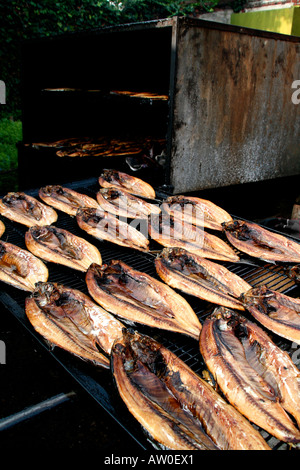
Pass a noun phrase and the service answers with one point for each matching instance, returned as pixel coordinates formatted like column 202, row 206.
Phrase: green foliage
column 10, row 134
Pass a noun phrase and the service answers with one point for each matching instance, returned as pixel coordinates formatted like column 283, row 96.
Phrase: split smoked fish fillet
column 139, row 298
column 259, row 242
column 172, row 403
column 255, row 375
column 196, row 211
column 2, row 228
column 20, row 268
column 60, row 246
column 171, row 232
column 278, row 312
column 122, row 203
column 132, row 184
column 200, row 277
column 69, row 319
column 65, row 199
column 24, row 209
column 104, row 226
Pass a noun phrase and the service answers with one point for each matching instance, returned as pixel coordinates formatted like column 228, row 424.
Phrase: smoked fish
column 256, row 376
column 20, row 268
column 197, row 211
column 172, row 403
column 69, row 319
column 122, row 203
column 200, row 277
column 171, row 232
column 121, row 180
column 276, row 311
column 60, row 246
column 27, row 210
column 139, row 298
column 260, row 242
column 2, row 228
column 104, row 226
column 66, row 199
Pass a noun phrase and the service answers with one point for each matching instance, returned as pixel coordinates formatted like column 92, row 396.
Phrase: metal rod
column 34, row 410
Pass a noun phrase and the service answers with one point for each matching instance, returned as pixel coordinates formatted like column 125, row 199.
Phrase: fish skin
column 294, row 273
column 172, row 403
column 246, row 387
column 260, row 242
column 122, row 203
column 202, row 211
column 276, row 311
column 171, row 233
column 2, row 228
column 39, row 241
column 118, row 179
column 139, row 298
column 26, row 210
column 69, row 319
column 20, row 268
column 200, row 277
column 65, row 199
column 104, row 226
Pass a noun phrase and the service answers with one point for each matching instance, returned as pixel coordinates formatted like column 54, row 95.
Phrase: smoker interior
column 99, row 383
column 95, row 85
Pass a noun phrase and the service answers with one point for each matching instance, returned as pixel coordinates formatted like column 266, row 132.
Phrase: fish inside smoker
column 196, row 211
column 20, row 268
column 171, row 232
column 61, row 246
column 104, row 226
column 255, row 375
column 69, row 319
column 278, row 312
column 137, row 297
column 200, row 277
column 24, row 209
column 66, row 199
column 172, row 403
column 132, row 184
column 257, row 241
column 122, row 203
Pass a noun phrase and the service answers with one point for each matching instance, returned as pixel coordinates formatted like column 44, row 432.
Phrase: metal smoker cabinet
column 229, row 117
column 233, row 116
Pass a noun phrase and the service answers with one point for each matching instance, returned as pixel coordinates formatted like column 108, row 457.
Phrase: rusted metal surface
column 234, row 120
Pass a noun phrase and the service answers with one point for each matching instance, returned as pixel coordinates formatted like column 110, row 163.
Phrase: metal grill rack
column 98, row 382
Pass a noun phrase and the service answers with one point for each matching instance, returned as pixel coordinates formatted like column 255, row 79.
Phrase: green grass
column 10, row 134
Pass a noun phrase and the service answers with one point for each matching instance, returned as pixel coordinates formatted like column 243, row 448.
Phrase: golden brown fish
column 174, row 405
column 120, row 202
column 294, row 273
column 139, row 298
column 200, row 277
column 259, row 242
column 60, row 246
column 121, row 180
column 104, row 226
column 196, row 211
column 24, row 209
column 2, row 228
column 20, row 268
column 69, row 319
column 255, row 375
column 65, row 199
column 278, row 312
column 171, row 232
